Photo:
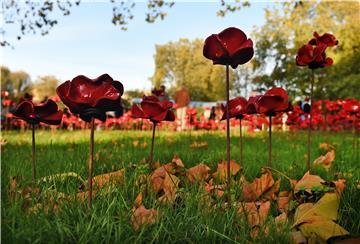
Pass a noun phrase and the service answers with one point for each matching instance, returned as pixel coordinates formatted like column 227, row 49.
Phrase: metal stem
column 228, row 137
column 152, row 148
column 33, row 153
column 310, row 122
column 91, row 162
column 270, row 143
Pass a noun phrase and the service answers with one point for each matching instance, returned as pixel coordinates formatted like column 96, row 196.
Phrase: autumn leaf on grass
column 254, row 212
column 283, row 201
column 319, row 218
column 216, row 191
column 198, row 173
column 138, row 200
column 258, row 187
column 203, row 144
column 158, row 175
column 340, row 185
column 325, row 161
column 177, row 161
column 142, row 216
column 296, row 237
column 221, row 172
column 326, row 146
column 308, row 182
column 113, row 178
column 170, row 187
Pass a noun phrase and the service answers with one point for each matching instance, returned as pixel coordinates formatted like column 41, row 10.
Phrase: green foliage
column 288, row 28
column 17, row 83
column 182, row 63
column 45, row 86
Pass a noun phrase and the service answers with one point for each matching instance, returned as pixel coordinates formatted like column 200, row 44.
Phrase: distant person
column 161, row 93
column 182, row 100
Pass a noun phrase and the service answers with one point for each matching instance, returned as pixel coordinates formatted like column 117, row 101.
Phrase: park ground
column 184, row 222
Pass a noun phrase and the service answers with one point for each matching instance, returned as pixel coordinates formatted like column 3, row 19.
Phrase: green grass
column 186, row 221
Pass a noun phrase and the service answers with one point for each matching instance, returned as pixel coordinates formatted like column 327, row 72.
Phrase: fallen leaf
column 198, row 173
column 177, row 161
column 296, row 237
column 138, row 200
column 215, row 190
column 308, row 182
column 221, row 172
column 170, row 187
column 326, row 146
column 255, row 212
column 112, row 178
column 325, row 161
column 158, row 175
column 258, row 187
column 319, row 218
column 142, row 216
column 203, row 144
column 340, row 185
column 283, row 201
column 280, row 221
column 270, row 194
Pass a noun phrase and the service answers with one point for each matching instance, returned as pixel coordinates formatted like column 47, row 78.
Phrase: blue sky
column 86, row 42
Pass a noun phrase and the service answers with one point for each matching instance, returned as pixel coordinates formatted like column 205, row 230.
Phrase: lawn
column 186, row 220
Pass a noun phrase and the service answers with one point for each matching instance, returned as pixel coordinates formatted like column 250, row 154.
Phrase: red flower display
column 230, row 46
column 151, row 108
column 47, row 112
column 313, row 54
column 351, row 106
column 237, row 108
column 273, row 101
column 252, row 106
column 327, row 39
column 91, row 97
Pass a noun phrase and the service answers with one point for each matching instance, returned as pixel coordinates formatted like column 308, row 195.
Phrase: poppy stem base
column 90, row 182
column 270, row 143
column 152, row 148
column 228, row 137
column 310, row 119
column 33, row 153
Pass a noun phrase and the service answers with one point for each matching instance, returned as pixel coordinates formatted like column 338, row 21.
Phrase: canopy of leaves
column 182, row 63
column 45, row 87
column 288, row 29
column 16, row 83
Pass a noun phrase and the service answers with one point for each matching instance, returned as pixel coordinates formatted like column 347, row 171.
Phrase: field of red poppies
column 289, row 178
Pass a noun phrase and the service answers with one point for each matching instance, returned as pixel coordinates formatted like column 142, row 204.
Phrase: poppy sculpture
column 353, row 108
column 237, row 109
column 313, row 56
column 231, row 47
column 33, row 114
column 91, row 99
column 272, row 102
column 151, row 108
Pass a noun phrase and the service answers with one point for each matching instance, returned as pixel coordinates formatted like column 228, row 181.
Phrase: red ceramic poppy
column 91, row 97
column 47, row 112
column 151, row 108
column 327, row 39
column 273, row 101
column 230, row 46
column 237, row 108
column 351, row 106
column 252, row 106
column 313, row 57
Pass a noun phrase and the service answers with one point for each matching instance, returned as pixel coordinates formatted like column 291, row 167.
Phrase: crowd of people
column 327, row 116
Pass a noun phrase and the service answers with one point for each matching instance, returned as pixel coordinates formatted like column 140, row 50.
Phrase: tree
column 16, row 83
column 289, row 28
column 44, row 87
column 37, row 16
column 182, row 63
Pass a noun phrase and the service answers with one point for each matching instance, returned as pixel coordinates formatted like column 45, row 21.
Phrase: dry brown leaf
column 113, row 178
column 340, row 185
column 255, row 212
column 158, row 175
column 221, row 172
column 198, row 173
column 177, row 161
column 138, row 200
column 215, row 190
column 142, row 216
column 308, row 181
column 280, row 221
column 326, row 146
column 297, row 238
column 258, row 187
column 325, row 161
column 203, row 144
column 170, row 187
column 283, row 201
column 270, row 194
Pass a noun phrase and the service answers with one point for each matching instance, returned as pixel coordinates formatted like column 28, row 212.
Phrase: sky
column 86, row 42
